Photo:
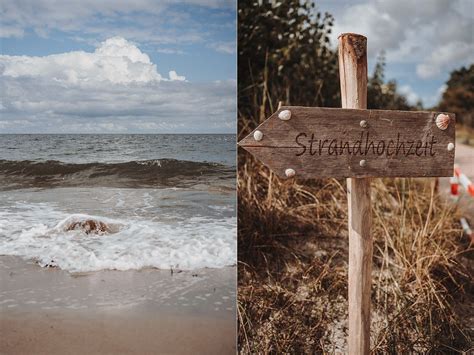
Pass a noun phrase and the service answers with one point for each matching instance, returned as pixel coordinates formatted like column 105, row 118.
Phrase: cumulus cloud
column 436, row 34
column 116, row 88
column 174, row 76
column 115, row 60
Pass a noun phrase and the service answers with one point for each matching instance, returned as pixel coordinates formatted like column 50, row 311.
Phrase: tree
column 459, row 95
column 284, row 55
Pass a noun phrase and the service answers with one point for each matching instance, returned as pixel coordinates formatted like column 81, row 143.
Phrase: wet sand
column 50, row 311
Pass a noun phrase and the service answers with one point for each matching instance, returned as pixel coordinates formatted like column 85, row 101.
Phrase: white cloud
column 116, row 60
column 435, row 34
column 169, row 51
column 368, row 20
column 11, row 31
column 409, row 93
column 433, row 100
column 175, row 77
column 225, row 47
column 441, row 90
column 87, row 16
column 442, row 58
column 116, row 88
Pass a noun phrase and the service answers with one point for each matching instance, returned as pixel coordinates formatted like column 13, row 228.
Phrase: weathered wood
column 356, row 143
column 320, row 142
column 360, row 264
column 353, row 74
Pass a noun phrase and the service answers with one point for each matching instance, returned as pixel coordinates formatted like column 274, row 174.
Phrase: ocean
column 160, row 201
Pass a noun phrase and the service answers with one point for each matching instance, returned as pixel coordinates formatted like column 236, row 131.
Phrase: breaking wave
column 161, row 172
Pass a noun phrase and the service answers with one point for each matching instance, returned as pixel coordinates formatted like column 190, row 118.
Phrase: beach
column 117, row 244
column 149, row 311
column 158, row 201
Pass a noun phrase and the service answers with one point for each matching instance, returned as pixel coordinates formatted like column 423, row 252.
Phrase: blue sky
column 118, row 54
column 423, row 40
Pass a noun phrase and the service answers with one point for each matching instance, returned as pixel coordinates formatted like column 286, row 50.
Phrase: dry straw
column 293, row 266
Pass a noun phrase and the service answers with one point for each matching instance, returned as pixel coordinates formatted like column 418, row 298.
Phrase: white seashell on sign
column 450, row 147
column 363, row 163
column 290, row 173
column 284, row 115
column 258, row 135
column 442, row 121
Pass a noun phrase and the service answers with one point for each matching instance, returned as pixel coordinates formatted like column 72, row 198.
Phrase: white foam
column 36, row 231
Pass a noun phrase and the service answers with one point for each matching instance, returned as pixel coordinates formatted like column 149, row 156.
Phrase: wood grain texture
column 360, row 264
column 353, row 74
column 282, row 142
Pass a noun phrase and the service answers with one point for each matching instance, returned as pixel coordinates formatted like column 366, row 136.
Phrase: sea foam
column 38, row 232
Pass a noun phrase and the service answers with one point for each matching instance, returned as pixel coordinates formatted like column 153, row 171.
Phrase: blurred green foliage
column 459, row 95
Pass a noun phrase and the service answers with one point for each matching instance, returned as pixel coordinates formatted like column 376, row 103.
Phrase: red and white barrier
column 463, row 180
column 453, row 181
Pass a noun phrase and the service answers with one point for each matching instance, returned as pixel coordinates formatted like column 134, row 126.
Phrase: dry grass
column 293, row 266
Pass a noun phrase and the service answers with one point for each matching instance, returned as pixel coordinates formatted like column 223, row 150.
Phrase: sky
column 164, row 66
column 118, row 66
column 423, row 40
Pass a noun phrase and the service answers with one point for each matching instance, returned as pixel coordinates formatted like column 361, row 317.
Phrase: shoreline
column 48, row 310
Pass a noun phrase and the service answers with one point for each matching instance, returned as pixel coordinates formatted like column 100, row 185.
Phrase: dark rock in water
column 89, row 226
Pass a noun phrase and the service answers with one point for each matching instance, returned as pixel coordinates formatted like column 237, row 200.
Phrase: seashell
column 290, row 172
column 450, row 147
column 442, row 121
column 284, row 115
column 363, row 163
column 258, row 135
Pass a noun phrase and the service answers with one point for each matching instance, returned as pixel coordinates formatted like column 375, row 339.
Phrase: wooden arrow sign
column 311, row 142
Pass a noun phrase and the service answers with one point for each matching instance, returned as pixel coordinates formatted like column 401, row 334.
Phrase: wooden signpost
column 322, row 142
column 356, row 143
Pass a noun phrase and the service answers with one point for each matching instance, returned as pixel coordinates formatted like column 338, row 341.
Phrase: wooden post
column 353, row 78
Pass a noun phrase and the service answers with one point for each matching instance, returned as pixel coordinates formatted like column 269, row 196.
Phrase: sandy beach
column 150, row 311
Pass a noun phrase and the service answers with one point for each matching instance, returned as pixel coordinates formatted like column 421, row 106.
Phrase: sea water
column 168, row 200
